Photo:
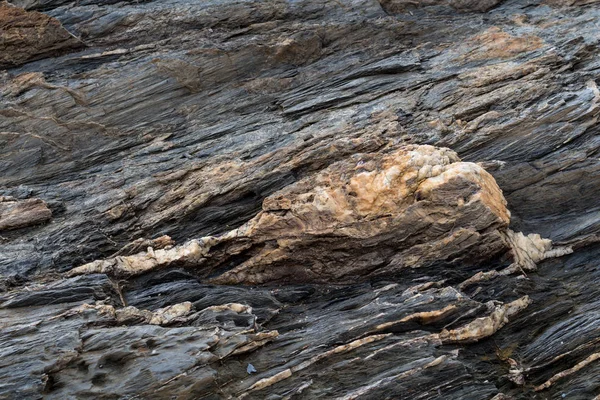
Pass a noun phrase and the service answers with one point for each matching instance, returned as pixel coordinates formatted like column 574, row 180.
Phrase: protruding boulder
column 373, row 214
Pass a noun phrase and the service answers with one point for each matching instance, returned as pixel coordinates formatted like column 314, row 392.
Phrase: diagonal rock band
column 374, row 215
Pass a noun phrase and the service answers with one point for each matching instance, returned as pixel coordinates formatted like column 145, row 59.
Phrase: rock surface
column 21, row 213
column 201, row 129
column 27, row 36
column 372, row 215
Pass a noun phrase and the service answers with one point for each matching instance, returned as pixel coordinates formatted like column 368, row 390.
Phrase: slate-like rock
column 166, row 122
column 30, row 35
column 18, row 214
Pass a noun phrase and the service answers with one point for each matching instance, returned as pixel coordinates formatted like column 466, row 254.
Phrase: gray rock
column 134, row 120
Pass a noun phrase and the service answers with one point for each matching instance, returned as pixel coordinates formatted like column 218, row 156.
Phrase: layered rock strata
column 21, row 213
column 129, row 125
column 27, row 36
column 372, row 215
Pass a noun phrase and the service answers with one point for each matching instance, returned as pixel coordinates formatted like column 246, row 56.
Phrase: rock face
column 190, row 187
column 371, row 215
column 375, row 214
column 18, row 214
column 26, row 36
column 460, row 5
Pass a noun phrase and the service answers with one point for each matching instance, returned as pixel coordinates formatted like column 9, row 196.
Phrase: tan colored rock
column 30, row 35
column 531, row 249
column 496, row 43
column 369, row 215
column 375, row 214
column 130, row 314
column 162, row 242
column 123, row 266
column 20, row 213
column 165, row 315
column 484, row 327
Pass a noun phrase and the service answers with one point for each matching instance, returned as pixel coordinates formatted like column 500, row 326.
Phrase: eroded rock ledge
column 372, row 215
column 170, row 120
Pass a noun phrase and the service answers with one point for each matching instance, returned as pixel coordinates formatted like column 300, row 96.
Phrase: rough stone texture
column 27, row 36
column 180, row 118
column 460, row 5
column 18, row 214
column 372, row 215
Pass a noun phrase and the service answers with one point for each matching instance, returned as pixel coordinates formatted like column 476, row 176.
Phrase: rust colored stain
column 27, row 36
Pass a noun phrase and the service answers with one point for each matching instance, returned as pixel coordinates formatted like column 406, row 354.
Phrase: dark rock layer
column 179, row 118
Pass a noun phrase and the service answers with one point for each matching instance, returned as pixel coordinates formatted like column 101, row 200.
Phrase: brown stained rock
column 30, row 35
column 460, row 5
column 496, row 43
column 184, row 116
column 370, row 215
column 299, row 49
column 20, row 213
column 375, row 214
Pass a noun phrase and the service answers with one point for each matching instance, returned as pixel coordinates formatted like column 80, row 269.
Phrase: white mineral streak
column 590, row 359
column 483, row 327
column 266, row 382
column 189, row 252
column 531, row 249
column 162, row 316
column 473, row 331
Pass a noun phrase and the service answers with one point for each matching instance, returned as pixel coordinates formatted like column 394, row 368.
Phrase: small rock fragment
column 250, row 369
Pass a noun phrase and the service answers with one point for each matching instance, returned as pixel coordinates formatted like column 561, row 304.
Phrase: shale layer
column 274, row 199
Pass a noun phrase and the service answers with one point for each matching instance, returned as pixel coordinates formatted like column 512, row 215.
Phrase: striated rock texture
column 21, row 213
column 27, row 36
column 190, row 187
column 372, row 215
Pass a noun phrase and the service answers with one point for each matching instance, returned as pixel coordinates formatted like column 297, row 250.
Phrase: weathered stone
column 21, row 213
column 180, row 118
column 30, row 35
column 373, row 215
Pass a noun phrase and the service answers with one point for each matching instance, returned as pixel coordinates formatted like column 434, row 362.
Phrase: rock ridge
column 372, row 215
